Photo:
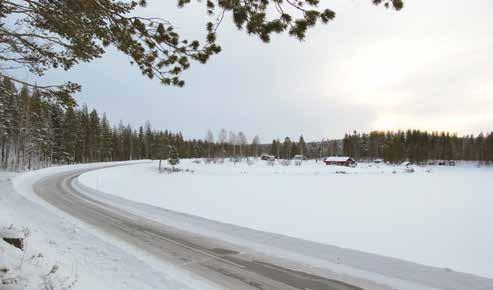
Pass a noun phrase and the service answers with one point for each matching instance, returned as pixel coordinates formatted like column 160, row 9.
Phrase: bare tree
column 233, row 140
column 222, row 137
column 255, row 143
column 209, row 138
column 242, row 141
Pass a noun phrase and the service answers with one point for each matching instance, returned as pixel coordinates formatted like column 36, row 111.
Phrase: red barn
column 341, row 161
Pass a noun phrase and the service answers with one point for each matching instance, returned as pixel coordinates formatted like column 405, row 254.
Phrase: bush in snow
column 409, row 170
column 271, row 162
column 250, row 161
column 235, row 159
column 173, row 158
column 171, row 169
column 210, row 160
column 285, row 162
column 173, row 161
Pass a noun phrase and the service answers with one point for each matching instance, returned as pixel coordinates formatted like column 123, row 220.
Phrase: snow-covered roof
column 338, row 158
column 11, row 233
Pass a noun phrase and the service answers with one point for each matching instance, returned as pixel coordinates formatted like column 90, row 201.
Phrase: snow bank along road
column 235, row 264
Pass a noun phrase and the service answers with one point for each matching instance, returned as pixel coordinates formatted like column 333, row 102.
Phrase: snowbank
column 434, row 218
column 10, row 260
column 19, row 271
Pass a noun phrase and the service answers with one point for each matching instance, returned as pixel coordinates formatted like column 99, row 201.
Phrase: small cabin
column 340, row 161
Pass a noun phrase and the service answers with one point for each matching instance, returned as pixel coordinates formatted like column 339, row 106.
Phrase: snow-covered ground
column 436, row 216
column 62, row 253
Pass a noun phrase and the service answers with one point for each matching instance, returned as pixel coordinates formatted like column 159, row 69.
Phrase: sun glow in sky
column 433, row 79
column 382, row 75
column 385, row 124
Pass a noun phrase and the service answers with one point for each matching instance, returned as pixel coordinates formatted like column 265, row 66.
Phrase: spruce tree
column 93, row 136
column 105, row 139
column 71, row 131
column 56, row 132
column 302, row 146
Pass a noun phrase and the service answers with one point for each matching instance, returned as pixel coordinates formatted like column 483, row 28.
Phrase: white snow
column 10, row 260
column 11, row 233
column 79, row 256
column 435, row 216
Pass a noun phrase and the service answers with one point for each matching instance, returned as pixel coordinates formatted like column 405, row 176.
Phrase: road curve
column 230, row 262
column 219, row 263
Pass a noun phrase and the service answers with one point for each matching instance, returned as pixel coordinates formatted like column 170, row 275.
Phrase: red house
column 341, row 161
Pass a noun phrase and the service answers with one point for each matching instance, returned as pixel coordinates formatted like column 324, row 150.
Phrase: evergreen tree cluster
column 418, row 146
column 37, row 132
column 288, row 148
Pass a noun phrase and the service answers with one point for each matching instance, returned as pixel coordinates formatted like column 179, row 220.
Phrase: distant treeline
column 37, row 132
column 418, row 146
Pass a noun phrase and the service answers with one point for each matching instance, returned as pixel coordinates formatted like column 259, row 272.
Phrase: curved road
column 219, row 263
column 234, row 265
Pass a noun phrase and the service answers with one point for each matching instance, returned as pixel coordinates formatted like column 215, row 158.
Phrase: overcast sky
column 427, row 67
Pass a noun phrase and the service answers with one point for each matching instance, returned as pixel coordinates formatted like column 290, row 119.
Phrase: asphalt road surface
column 209, row 258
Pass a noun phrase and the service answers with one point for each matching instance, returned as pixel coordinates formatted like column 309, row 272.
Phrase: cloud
column 425, row 67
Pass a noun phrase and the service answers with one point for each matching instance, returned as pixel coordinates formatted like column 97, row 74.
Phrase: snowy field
column 437, row 216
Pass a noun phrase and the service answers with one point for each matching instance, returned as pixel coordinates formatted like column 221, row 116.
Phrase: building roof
column 338, row 159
